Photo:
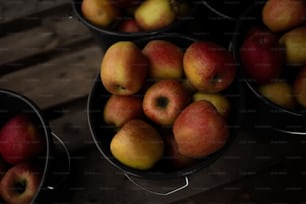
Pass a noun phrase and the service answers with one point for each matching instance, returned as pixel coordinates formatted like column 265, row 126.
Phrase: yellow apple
column 280, row 93
column 137, row 145
column 294, row 42
column 99, row 12
column 221, row 103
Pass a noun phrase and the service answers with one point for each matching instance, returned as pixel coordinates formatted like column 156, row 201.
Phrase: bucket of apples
column 269, row 44
column 26, row 151
column 165, row 106
column 114, row 20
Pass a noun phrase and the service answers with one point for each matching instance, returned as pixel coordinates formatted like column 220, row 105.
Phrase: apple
column 156, row 14
column 280, row 93
column 208, row 66
column 220, row 102
column 200, row 130
column 120, row 109
column 173, row 156
column 261, row 57
column 20, row 140
column 282, row 15
column 165, row 59
column 294, row 42
column 137, row 145
column 124, row 68
column 164, row 101
column 299, row 87
column 20, row 183
column 129, row 26
column 100, row 12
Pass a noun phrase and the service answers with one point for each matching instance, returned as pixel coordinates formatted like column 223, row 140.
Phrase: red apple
column 200, row 130
column 174, row 157
column 164, row 101
column 20, row 184
column 20, row 140
column 165, row 59
column 261, row 57
column 129, row 26
column 209, row 67
column 120, row 109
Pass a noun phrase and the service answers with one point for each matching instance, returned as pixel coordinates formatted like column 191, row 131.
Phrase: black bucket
column 262, row 112
column 106, row 37
column 12, row 104
column 103, row 133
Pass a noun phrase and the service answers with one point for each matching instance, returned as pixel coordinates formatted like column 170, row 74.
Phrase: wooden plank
column 66, row 77
column 12, row 9
column 51, row 35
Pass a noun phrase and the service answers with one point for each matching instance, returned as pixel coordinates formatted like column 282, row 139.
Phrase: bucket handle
column 53, row 186
column 160, row 193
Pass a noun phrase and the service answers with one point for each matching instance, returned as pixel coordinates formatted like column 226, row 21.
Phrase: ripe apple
column 165, row 59
column 209, row 67
column 129, row 26
column 294, row 42
column 100, row 12
column 173, row 156
column 220, row 102
column 156, row 14
column 200, row 130
column 261, row 57
column 20, row 140
column 299, row 87
column 20, row 183
column 137, row 145
column 282, row 15
column 280, row 93
column 120, row 109
column 124, row 68
column 164, row 101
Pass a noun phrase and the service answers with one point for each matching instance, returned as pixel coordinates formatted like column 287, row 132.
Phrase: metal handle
column 160, row 193
column 67, row 172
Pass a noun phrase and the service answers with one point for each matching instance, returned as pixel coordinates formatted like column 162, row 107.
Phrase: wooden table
column 49, row 56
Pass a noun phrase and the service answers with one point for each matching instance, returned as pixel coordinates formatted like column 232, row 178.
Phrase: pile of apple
column 134, row 15
column 166, row 102
column 273, row 54
column 20, row 144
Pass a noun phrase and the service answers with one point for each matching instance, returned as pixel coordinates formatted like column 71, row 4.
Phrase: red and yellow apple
column 261, row 57
column 20, row 183
column 282, row 15
column 208, row 66
column 100, row 12
column 165, row 59
column 124, row 68
column 164, row 101
column 200, row 130
column 120, row 109
column 20, row 140
column 137, row 145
